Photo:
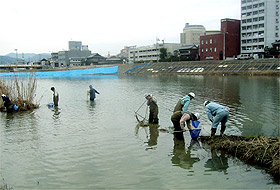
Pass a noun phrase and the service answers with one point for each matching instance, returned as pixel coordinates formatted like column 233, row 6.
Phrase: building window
column 210, row 49
column 255, row 12
column 261, row 18
column 210, row 41
column 243, row 21
column 261, row 11
column 261, row 25
column 249, row 14
column 202, row 50
column 206, row 41
column 276, row 35
column 215, row 49
column 243, row 8
column 261, row 5
column 202, row 42
column 206, row 50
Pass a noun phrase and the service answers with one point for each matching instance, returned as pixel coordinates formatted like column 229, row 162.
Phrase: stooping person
column 91, row 93
column 180, row 118
column 216, row 113
column 153, row 107
column 7, row 103
column 184, row 102
column 55, row 96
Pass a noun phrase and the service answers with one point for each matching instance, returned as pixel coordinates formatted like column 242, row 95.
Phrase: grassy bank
column 261, row 150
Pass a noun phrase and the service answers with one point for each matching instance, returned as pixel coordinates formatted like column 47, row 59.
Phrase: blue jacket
column 212, row 109
column 185, row 101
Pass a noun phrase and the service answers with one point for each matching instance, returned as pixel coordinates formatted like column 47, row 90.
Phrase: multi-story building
column 150, row 53
column 223, row 45
column 76, row 53
column 191, row 34
column 259, row 25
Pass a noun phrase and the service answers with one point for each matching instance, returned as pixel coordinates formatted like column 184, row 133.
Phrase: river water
column 98, row 145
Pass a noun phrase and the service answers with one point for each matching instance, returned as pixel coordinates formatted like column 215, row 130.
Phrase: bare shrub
column 21, row 91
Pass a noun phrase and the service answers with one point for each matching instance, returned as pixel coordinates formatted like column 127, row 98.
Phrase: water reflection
column 151, row 134
column 56, row 112
column 217, row 162
column 181, row 157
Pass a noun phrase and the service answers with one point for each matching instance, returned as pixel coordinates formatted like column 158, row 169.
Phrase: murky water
column 84, row 145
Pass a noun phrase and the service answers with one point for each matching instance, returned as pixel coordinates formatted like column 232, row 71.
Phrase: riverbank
column 229, row 67
column 262, row 151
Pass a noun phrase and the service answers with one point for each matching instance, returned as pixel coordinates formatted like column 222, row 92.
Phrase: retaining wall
column 258, row 66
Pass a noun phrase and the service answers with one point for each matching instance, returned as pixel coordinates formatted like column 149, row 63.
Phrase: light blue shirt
column 185, row 101
column 212, row 109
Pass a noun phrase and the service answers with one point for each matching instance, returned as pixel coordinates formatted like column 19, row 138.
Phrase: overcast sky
column 45, row 26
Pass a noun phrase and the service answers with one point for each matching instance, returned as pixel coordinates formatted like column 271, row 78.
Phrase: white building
column 150, row 53
column 191, row 34
column 259, row 25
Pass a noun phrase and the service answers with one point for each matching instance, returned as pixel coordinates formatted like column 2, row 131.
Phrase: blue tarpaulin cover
column 68, row 73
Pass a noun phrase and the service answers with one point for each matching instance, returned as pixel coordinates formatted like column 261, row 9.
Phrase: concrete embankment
column 250, row 67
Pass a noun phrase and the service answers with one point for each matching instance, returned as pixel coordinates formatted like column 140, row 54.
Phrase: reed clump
column 260, row 150
column 22, row 92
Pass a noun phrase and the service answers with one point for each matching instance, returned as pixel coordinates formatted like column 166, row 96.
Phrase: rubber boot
column 222, row 130
column 213, row 131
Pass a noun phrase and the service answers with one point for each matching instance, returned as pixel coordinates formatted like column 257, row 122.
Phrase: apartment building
column 191, row 34
column 259, row 25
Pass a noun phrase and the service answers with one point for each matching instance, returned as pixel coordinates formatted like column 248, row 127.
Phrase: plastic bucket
column 195, row 123
column 50, row 105
column 195, row 133
column 15, row 107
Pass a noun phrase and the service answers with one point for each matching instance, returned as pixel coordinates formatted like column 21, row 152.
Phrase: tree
column 163, row 54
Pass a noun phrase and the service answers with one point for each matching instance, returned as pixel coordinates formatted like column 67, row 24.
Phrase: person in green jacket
column 152, row 103
column 183, row 103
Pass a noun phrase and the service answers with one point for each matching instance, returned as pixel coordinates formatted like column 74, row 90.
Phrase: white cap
column 197, row 115
column 191, row 94
column 147, row 94
column 206, row 102
column 3, row 95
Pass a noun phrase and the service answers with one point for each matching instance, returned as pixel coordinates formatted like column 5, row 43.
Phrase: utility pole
column 157, row 48
column 16, row 56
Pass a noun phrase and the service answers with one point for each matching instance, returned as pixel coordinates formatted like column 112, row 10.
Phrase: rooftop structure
column 191, row 34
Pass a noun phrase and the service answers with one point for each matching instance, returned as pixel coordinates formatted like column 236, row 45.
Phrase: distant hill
column 11, row 57
column 6, row 60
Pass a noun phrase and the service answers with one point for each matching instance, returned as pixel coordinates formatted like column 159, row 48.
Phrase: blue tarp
column 69, row 73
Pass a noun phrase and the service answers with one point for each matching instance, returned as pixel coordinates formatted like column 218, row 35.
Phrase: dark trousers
column 175, row 118
column 153, row 118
